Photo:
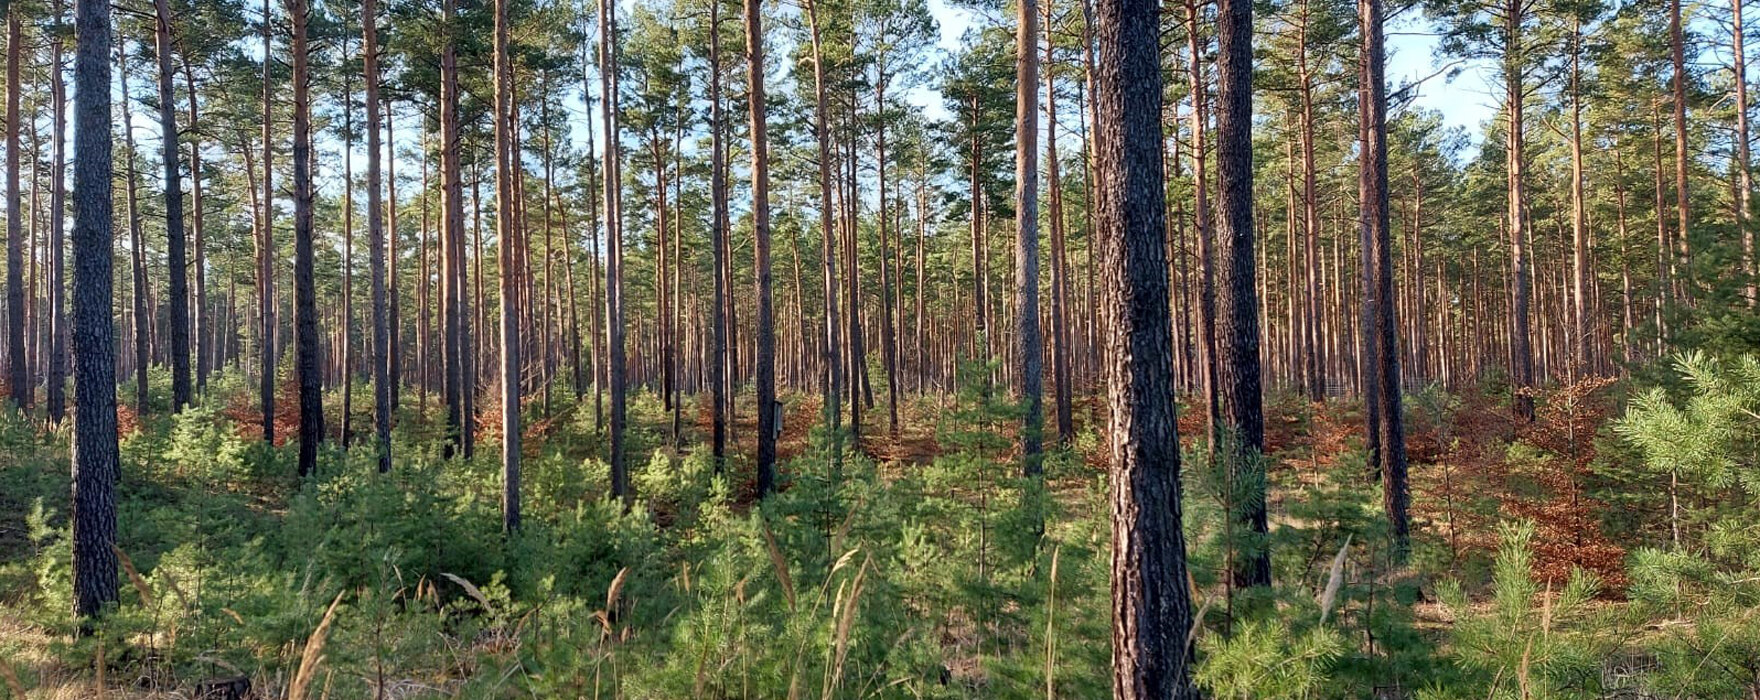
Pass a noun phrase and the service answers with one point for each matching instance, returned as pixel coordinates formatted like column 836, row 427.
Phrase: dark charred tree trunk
column 305, row 294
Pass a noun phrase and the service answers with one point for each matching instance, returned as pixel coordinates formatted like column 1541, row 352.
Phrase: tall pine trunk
column 766, row 331
column 1060, row 350
column 96, row 464
column 56, row 371
column 137, row 239
column 1240, row 404
column 177, row 266
column 1387, row 420
column 377, row 254
column 1521, row 350
column 18, row 376
column 266, row 346
column 506, row 160
column 613, row 247
column 715, row 367
column 833, row 369
column 305, row 295
column 1744, row 172
column 1030, row 348
column 455, row 374
column 1151, row 609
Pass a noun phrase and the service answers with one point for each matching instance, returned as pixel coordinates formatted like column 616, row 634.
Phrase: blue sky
column 1466, row 102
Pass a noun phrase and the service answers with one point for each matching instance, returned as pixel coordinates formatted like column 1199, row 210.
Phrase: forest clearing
column 879, row 348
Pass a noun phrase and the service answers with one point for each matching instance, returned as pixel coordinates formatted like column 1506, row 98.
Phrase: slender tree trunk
column 143, row 338
column 1683, row 240
column 344, row 330
column 1311, row 362
column 393, row 319
column 507, row 236
column 267, row 347
column 1151, row 609
column 1744, row 170
column 716, row 366
column 176, row 244
column 56, row 371
column 305, row 294
column 1237, row 372
column 888, row 331
column 833, row 371
column 766, row 330
column 1201, row 228
column 19, row 376
column 377, row 253
column 424, row 312
column 201, row 322
column 1521, row 353
column 1378, row 258
column 614, row 245
column 455, row 380
column 1580, row 308
column 1030, row 349
column 1060, row 350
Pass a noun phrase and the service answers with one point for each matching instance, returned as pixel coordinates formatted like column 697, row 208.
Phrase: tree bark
column 1744, row 170
column 305, row 295
column 455, row 379
column 833, row 370
column 1242, row 432
column 1521, row 352
column 56, row 371
column 766, row 331
column 1060, row 350
column 1677, row 51
column 96, row 465
column 267, row 347
column 137, row 243
column 176, row 255
column 1389, row 424
column 377, row 253
column 507, row 235
column 614, row 246
column 1030, row 347
column 716, row 366
column 1151, row 609
column 18, row 377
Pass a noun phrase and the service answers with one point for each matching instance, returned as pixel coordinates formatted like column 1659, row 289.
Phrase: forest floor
column 1465, row 476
